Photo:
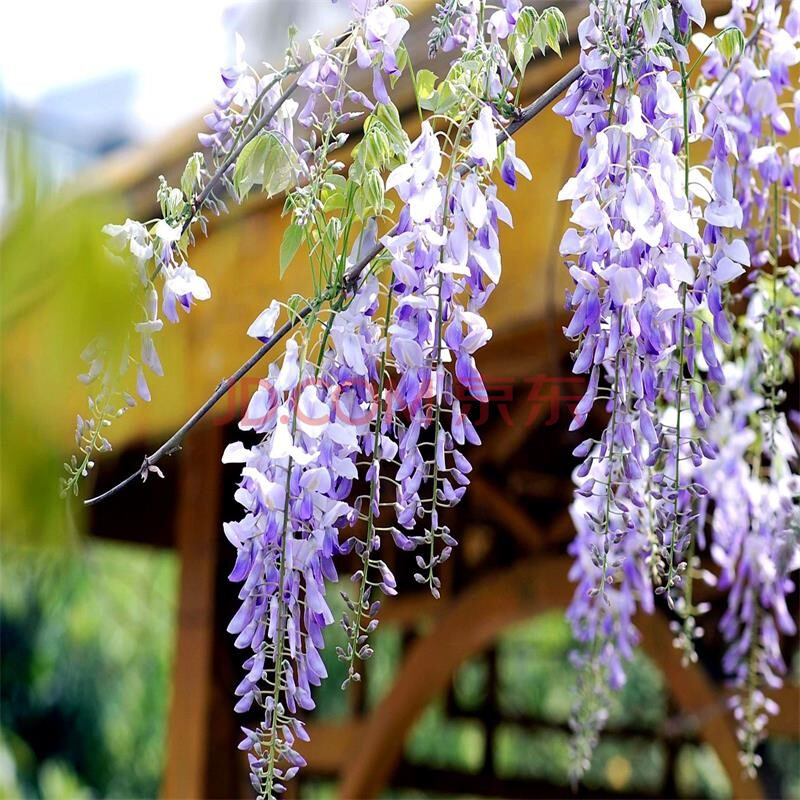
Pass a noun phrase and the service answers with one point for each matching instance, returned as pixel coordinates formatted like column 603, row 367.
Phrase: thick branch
column 353, row 274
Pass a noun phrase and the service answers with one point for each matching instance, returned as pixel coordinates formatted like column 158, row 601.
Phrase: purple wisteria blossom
column 383, row 32
column 753, row 485
column 650, row 258
column 457, row 23
column 755, row 541
column 445, row 263
column 242, row 95
column 356, row 435
column 295, row 488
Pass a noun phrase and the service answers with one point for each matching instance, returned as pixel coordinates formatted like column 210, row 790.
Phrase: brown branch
column 259, row 125
column 351, row 277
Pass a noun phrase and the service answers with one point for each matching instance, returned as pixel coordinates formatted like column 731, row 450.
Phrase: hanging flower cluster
column 152, row 254
column 375, row 397
column 755, row 541
column 445, row 262
column 653, row 253
column 295, row 487
column 754, row 488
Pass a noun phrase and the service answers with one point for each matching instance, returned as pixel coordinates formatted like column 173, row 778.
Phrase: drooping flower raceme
column 646, row 279
column 153, row 254
column 445, row 263
column 386, row 383
column 317, row 422
column 755, row 541
column 753, row 486
column 295, row 489
column 377, row 48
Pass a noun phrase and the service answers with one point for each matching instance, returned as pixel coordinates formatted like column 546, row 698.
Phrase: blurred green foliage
column 59, row 289
column 536, row 678
column 785, row 755
column 441, row 742
column 86, row 636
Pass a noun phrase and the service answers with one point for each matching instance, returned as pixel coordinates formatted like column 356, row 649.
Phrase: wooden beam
column 469, row 626
column 787, row 721
column 198, row 528
column 509, row 432
column 330, row 746
column 508, row 514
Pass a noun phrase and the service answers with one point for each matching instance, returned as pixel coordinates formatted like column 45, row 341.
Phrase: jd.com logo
column 354, row 401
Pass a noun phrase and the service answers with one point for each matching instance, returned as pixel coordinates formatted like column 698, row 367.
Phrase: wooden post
column 470, row 625
column 197, row 531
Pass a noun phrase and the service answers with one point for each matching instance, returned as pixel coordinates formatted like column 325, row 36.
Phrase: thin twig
column 174, row 442
column 540, row 103
column 199, row 201
column 258, row 126
column 351, row 277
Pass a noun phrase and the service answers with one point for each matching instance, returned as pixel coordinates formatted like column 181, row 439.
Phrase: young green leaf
column 191, row 172
column 426, row 80
column 279, row 165
column 730, row 43
column 292, row 238
column 249, row 168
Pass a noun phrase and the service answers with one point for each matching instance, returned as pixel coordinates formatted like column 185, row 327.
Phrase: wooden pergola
column 513, row 524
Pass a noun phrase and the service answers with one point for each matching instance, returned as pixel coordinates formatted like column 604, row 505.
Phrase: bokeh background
column 87, row 625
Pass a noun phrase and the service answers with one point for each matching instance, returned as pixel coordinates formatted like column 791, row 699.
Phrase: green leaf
column 369, row 199
column 520, row 39
column 292, row 238
column 426, row 80
column 555, row 26
column 401, row 59
column 730, row 43
column 335, row 201
column 266, row 160
column 527, row 18
column 374, row 190
column 539, row 34
column 378, row 150
column 280, row 162
column 446, row 98
column 650, row 20
column 333, row 230
column 191, row 172
column 249, row 168
column 389, row 117
column 334, row 193
column 294, row 304
column 538, row 31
